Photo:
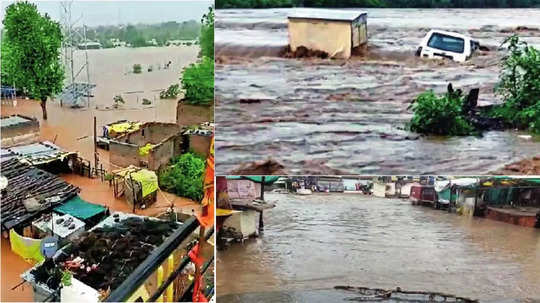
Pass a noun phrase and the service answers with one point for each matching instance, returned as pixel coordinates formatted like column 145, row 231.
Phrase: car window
column 447, row 43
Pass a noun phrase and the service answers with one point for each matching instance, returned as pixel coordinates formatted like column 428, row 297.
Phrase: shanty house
column 152, row 145
column 336, row 32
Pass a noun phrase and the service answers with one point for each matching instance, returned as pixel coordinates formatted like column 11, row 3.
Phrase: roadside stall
column 138, row 185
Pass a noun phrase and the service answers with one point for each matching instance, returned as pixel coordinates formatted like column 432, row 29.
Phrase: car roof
column 453, row 34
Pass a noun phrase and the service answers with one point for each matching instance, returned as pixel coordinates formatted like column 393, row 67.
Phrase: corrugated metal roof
column 34, row 153
column 326, row 14
column 13, row 120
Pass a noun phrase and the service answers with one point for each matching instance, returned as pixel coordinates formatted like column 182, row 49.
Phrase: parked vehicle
column 449, row 45
column 421, row 194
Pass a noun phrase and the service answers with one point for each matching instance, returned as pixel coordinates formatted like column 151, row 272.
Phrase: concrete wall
column 187, row 114
column 161, row 155
column 152, row 133
column 200, row 144
column 332, row 37
column 124, row 155
column 25, row 133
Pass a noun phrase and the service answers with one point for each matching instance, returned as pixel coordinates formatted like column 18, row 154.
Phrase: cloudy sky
column 122, row 12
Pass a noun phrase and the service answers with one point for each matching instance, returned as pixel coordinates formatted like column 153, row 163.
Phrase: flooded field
column 313, row 243
column 111, row 71
column 351, row 115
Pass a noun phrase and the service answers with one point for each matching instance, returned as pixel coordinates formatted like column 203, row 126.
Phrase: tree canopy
column 31, row 52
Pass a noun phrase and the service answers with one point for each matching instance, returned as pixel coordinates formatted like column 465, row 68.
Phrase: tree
column 31, row 52
column 207, row 34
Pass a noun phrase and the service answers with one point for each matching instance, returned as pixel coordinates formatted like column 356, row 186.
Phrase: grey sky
column 122, row 12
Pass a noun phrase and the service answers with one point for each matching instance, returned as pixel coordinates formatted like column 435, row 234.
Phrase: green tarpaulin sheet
column 258, row 179
column 80, row 209
column 148, row 180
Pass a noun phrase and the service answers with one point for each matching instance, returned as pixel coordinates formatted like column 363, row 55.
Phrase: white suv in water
column 442, row 44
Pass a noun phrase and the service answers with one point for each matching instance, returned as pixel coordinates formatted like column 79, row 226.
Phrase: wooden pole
column 95, row 145
column 262, row 187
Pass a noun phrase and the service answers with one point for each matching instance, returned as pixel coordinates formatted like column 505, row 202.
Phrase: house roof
column 25, row 182
column 15, row 120
column 326, row 14
column 35, row 153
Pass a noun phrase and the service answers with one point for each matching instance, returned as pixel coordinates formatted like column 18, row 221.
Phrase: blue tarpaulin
column 80, row 209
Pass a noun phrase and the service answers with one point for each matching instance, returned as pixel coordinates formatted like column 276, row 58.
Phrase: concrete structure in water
column 336, row 32
column 19, row 130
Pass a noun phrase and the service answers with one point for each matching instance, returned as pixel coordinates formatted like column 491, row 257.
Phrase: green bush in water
column 137, row 68
column 171, row 92
column 439, row 115
column 519, row 85
column 184, row 177
column 198, row 82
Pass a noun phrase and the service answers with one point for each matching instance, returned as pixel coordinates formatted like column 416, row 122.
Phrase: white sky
column 123, row 12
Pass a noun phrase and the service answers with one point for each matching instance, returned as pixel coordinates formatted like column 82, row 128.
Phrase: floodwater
column 110, row 70
column 351, row 115
column 311, row 244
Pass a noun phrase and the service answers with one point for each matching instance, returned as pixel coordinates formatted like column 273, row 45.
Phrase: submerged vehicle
column 421, row 194
column 449, row 45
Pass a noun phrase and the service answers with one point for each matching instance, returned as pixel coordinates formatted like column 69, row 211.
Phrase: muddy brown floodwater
column 312, row 243
column 351, row 115
column 110, row 70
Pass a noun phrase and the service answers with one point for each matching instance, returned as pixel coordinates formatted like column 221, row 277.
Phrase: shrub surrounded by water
column 440, row 115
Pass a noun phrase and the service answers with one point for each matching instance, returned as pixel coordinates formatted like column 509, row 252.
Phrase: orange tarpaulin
column 206, row 218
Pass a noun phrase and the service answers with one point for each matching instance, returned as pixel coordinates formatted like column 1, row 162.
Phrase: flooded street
column 351, row 115
column 313, row 243
column 110, row 71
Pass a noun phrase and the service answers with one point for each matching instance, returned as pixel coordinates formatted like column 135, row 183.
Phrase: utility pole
column 95, row 146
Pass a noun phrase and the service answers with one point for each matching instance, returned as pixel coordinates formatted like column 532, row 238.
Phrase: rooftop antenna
column 74, row 88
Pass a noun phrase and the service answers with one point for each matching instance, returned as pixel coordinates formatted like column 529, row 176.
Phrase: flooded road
column 110, row 71
column 313, row 243
column 351, row 115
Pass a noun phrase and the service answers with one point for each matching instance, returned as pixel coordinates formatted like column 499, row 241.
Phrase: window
column 447, row 43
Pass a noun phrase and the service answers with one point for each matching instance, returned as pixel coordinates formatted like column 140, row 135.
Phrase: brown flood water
column 351, row 115
column 73, row 128
column 312, row 243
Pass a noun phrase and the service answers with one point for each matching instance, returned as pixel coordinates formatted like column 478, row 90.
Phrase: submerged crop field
column 349, row 116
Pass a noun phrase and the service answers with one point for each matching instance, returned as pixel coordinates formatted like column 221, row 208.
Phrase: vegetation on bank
column 184, row 176
column 139, row 35
column 440, row 115
column 377, row 3
column 519, row 86
column 198, row 78
column 30, row 56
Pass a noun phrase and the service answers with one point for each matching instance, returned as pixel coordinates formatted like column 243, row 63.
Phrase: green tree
column 31, row 52
column 207, row 34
